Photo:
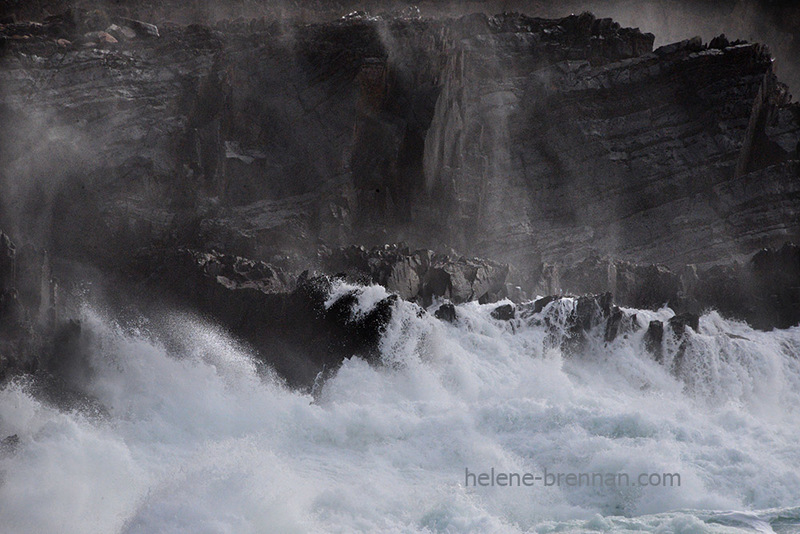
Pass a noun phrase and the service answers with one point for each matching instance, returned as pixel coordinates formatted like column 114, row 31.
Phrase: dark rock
column 285, row 318
column 143, row 29
column 653, row 340
column 687, row 46
column 540, row 304
column 446, row 312
column 613, row 325
column 719, row 42
column 422, row 275
column 619, row 323
column 506, row 312
column 776, row 284
column 531, row 311
column 679, row 323
column 590, row 311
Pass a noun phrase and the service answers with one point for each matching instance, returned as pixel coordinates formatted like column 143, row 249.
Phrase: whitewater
column 187, row 432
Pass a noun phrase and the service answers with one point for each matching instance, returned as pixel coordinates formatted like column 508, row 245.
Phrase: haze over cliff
column 294, row 266
column 510, row 136
column 569, row 153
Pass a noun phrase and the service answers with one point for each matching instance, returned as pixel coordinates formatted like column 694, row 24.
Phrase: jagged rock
column 539, row 304
column 590, row 311
column 121, row 33
column 653, row 340
column 510, row 193
column 720, row 42
column 679, row 323
column 687, row 46
column 619, row 323
column 143, row 29
column 506, row 312
column 639, row 286
column 446, row 312
column 762, row 291
column 422, row 275
column 287, row 319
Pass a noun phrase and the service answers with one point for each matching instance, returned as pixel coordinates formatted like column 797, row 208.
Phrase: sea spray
column 194, row 436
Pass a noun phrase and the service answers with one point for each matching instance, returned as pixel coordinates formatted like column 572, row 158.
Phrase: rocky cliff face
column 521, row 139
column 569, row 151
column 30, row 307
column 653, row 158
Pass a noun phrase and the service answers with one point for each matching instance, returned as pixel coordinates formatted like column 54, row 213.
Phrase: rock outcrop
column 29, row 309
column 422, row 275
column 578, row 325
column 521, row 139
column 763, row 290
column 300, row 325
column 535, row 142
column 303, row 324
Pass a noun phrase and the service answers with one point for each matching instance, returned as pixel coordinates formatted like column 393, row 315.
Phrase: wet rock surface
column 30, row 309
column 190, row 135
column 293, row 322
column 762, row 289
column 421, row 275
column 571, row 153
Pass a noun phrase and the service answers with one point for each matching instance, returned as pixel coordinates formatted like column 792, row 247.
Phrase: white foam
column 202, row 441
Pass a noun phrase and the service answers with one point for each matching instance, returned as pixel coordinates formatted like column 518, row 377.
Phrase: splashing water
column 200, row 439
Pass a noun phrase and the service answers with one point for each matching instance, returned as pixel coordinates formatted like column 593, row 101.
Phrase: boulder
column 679, row 323
column 121, row 33
column 506, row 312
column 142, row 29
column 446, row 312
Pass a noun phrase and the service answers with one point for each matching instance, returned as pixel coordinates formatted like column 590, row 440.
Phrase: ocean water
column 191, row 435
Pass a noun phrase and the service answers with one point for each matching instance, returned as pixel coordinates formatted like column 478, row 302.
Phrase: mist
column 294, row 266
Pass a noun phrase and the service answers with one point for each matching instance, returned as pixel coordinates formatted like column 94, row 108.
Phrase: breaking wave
column 191, row 434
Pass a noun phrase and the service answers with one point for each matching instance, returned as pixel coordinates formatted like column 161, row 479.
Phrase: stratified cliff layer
column 520, row 139
column 652, row 158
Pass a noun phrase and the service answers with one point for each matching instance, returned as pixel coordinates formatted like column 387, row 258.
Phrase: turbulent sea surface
column 186, row 433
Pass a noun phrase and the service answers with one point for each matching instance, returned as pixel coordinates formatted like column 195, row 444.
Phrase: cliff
column 521, row 139
column 569, row 151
